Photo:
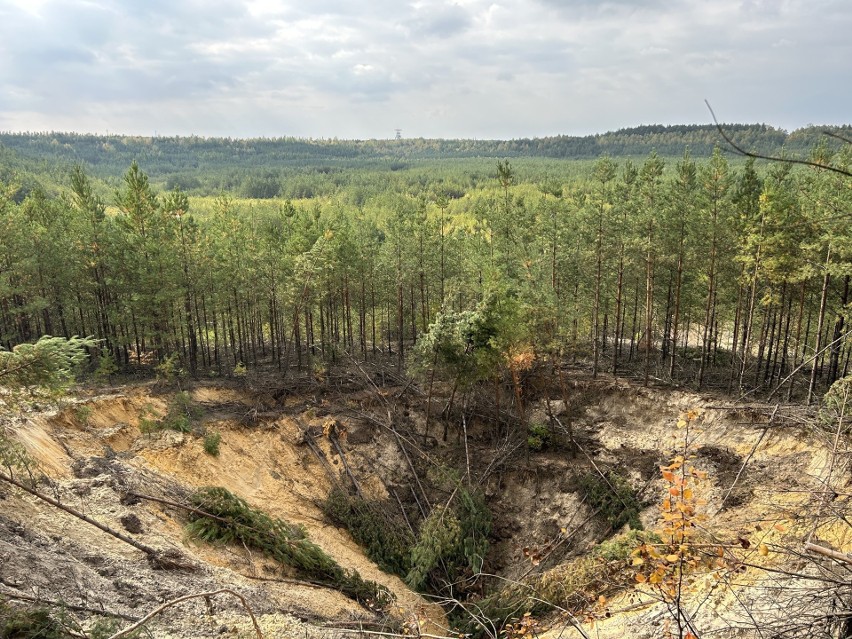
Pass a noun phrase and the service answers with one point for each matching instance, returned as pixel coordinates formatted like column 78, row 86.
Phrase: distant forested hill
column 110, row 155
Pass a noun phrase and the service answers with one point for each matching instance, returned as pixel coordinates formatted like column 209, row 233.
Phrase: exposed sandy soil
column 95, row 453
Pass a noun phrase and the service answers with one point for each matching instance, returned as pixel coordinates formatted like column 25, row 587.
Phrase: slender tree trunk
column 619, row 324
column 413, row 315
column 362, row 319
column 761, row 346
column 795, row 362
column 676, row 321
column 834, row 361
column 649, row 303
column 785, row 348
column 667, row 341
column 373, row 313
column 734, row 372
column 820, row 321
column 596, row 339
column 635, row 321
column 297, row 339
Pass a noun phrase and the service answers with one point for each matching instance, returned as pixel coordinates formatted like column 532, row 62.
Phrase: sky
column 432, row 68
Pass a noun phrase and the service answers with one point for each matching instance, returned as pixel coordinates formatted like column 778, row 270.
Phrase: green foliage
column 83, row 413
column 106, row 627
column 106, row 367
column 440, row 535
column 539, row 437
column 169, row 369
column 475, row 519
column 614, row 498
column 212, row 440
column 620, row 547
column 48, row 365
column 15, row 459
column 468, row 346
column 546, row 257
column 234, row 521
column 182, row 415
column 571, row 586
column 454, row 537
column 836, row 410
column 29, row 623
column 386, row 540
column 179, row 157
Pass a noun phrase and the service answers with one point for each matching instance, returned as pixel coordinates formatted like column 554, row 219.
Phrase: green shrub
column 106, row 627
column 571, row 586
column 182, row 415
column 539, row 437
column 211, row 442
column 386, row 540
column 29, row 623
column 106, row 367
column 439, row 536
column 614, row 498
column 234, row 521
column 169, row 369
column 83, row 413
column 15, row 460
column 455, row 538
column 618, row 548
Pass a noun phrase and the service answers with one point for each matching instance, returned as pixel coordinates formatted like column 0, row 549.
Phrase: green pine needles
column 614, row 498
column 453, row 539
column 385, row 539
column 47, row 366
column 229, row 519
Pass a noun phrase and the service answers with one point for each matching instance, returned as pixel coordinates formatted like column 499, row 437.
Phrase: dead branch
column 751, row 154
column 827, row 552
column 748, row 458
column 334, row 442
column 157, row 558
column 199, row 595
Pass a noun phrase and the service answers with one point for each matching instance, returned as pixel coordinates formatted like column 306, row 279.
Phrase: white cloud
column 471, row 68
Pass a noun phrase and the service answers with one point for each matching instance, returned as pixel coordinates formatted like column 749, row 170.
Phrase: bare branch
column 199, row 595
column 751, row 154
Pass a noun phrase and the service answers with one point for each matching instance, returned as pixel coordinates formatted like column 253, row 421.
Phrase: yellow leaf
column 763, row 549
column 681, row 423
column 779, row 528
column 687, row 493
column 655, row 578
column 672, row 558
column 638, row 561
column 641, row 578
column 602, row 600
column 668, row 475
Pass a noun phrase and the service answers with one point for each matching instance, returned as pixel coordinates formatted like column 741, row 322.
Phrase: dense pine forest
column 682, row 266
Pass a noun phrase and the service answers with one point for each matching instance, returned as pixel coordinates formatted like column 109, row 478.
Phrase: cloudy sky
column 433, row 68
